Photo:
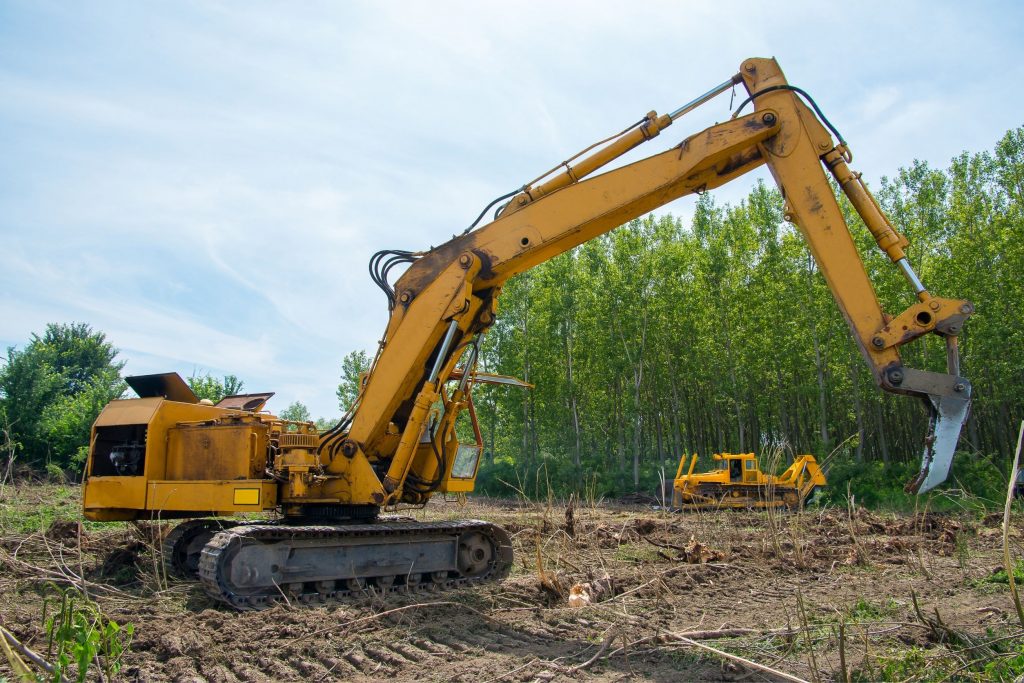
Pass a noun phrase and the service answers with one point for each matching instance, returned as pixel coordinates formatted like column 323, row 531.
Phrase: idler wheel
column 476, row 553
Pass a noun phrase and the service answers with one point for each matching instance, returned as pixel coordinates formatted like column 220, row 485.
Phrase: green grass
column 914, row 664
column 636, row 553
column 27, row 509
column 31, row 508
column 1001, row 577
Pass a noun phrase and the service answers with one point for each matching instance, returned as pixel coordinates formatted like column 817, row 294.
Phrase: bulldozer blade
column 947, row 415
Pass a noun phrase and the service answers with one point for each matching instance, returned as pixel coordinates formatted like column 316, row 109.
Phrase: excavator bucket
column 947, row 415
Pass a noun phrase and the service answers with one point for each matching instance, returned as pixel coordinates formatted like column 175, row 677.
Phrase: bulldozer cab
column 741, row 468
column 735, row 469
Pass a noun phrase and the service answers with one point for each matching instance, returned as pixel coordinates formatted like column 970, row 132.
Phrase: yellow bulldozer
column 738, row 482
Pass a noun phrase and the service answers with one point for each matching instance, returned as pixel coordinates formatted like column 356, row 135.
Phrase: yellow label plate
column 246, row 497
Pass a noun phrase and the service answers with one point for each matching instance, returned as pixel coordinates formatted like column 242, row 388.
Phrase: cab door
column 750, row 471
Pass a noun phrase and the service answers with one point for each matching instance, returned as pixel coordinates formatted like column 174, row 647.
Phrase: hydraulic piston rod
column 646, row 129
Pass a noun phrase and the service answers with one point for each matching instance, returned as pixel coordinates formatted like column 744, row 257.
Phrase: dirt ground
column 812, row 595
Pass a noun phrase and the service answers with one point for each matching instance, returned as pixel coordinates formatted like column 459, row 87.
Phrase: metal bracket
column 945, row 316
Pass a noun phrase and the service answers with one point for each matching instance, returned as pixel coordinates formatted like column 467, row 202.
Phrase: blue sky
column 205, row 181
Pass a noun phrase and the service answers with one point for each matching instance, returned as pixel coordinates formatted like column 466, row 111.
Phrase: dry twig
column 1006, row 527
column 29, row 654
column 740, row 660
column 64, row 575
column 608, row 639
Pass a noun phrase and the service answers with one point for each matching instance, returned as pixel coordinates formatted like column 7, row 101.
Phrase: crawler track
column 255, row 566
column 183, row 545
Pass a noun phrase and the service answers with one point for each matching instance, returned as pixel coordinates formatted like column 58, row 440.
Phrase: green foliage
column 79, row 636
column 902, row 665
column 325, row 423
column 865, row 610
column 1008, row 668
column 1003, row 660
column 67, row 421
column 52, row 390
column 1001, row 576
column 660, row 339
column 498, row 478
column 213, row 389
column 876, row 484
column 296, row 412
column 352, row 366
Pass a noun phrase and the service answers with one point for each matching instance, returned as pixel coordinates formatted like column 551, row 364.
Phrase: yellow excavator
column 166, row 455
column 738, row 482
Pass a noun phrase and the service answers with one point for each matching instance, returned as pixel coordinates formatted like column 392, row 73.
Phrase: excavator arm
column 448, row 296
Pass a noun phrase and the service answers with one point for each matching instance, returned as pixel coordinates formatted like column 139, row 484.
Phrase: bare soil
column 790, row 580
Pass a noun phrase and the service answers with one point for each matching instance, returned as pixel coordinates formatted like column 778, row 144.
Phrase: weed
column 684, row 659
column 80, row 635
column 1009, row 668
column 55, row 473
column 771, row 462
column 812, row 660
column 962, row 549
column 637, row 554
column 859, row 555
column 865, row 610
column 1001, row 576
column 910, row 664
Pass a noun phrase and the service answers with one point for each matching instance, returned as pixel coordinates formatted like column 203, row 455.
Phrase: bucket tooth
column 947, row 415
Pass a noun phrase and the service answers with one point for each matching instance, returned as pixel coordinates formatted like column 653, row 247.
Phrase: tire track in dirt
column 244, row 671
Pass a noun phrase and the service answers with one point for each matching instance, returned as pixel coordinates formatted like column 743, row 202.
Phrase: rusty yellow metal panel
column 171, row 415
column 232, row 451
column 114, row 492
column 212, row 496
column 459, row 486
column 129, row 411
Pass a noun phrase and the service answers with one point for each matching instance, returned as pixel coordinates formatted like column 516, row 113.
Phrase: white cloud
column 879, row 101
column 206, row 181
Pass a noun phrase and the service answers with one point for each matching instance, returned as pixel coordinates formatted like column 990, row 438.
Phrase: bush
column 877, row 484
column 52, row 390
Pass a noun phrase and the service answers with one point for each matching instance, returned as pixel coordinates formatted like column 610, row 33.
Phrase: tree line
column 660, row 338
